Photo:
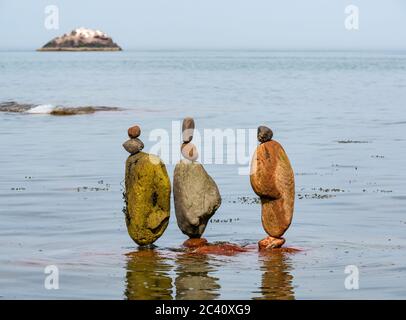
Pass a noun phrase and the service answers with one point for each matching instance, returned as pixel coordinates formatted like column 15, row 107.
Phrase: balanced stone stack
column 147, row 192
column 196, row 194
column 133, row 145
column 188, row 149
column 272, row 179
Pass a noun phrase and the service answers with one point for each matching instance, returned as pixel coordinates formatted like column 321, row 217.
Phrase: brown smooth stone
column 272, row 179
column 276, row 216
column 189, row 151
column 188, row 127
column 134, row 132
column 264, row 134
column 270, row 243
column 195, row 242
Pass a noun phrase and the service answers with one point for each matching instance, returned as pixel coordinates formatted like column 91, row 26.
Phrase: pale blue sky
column 207, row 24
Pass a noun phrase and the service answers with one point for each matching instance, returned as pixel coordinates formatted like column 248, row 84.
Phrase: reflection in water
column 276, row 277
column 193, row 279
column 147, row 276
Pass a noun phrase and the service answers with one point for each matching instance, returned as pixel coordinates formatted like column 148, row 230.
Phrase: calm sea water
column 61, row 177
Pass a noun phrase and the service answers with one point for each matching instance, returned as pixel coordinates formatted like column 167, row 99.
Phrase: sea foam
column 42, row 109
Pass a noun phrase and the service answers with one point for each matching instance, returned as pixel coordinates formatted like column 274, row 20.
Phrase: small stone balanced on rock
column 272, row 179
column 195, row 193
column 147, row 192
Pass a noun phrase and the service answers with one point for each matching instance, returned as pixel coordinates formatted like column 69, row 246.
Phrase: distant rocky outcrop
column 15, row 107
column 82, row 39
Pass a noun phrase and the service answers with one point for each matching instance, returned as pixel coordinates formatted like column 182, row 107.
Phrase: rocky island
column 82, row 39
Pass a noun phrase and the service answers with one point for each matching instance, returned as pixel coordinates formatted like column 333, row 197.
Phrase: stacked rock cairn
column 272, row 179
column 196, row 195
column 147, row 192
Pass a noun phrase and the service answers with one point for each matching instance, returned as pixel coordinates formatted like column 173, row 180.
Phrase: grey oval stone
column 196, row 197
column 133, row 146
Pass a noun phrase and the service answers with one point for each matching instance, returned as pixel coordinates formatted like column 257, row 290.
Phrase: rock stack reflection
column 276, row 281
column 148, row 276
column 194, row 280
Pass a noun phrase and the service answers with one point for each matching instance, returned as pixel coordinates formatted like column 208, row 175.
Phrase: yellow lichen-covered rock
column 147, row 196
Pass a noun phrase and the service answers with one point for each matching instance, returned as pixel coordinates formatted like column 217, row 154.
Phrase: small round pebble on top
column 264, row 134
column 134, row 132
column 133, row 145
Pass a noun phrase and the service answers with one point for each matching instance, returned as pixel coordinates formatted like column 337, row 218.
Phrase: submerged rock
column 226, row 249
column 195, row 242
column 15, row 107
column 202, row 246
column 147, row 195
column 12, row 106
column 196, row 197
column 82, row 39
column 67, row 111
